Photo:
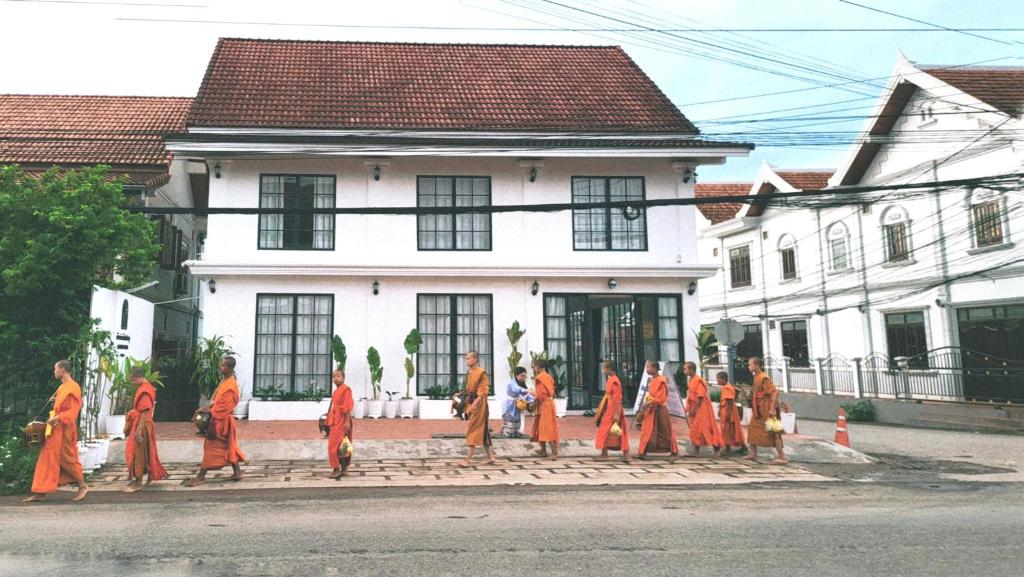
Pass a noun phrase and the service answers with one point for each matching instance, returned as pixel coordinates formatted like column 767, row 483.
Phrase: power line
column 893, row 14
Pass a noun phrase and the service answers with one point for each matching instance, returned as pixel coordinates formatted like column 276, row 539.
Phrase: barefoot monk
column 58, row 459
column 221, row 446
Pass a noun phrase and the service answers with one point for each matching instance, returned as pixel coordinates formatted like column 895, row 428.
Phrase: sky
column 717, row 78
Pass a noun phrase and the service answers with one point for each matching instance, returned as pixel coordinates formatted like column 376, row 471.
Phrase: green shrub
column 861, row 411
column 17, row 461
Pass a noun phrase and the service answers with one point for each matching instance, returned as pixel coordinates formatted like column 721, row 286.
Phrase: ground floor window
column 452, row 325
column 905, row 337
column 794, row 343
column 293, row 343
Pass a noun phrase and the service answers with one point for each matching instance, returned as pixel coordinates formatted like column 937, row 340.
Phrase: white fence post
column 785, row 374
column 858, row 384
column 818, row 382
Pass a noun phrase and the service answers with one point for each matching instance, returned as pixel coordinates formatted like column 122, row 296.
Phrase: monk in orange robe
column 339, row 419
column 729, row 415
column 656, row 434
column 221, row 445
column 545, row 422
column 703, row 428
column 610, row 412
column 478, row 432
column 58, row 459
column 140, row 435
column 765, row 405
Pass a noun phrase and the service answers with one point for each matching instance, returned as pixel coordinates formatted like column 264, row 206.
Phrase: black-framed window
column 464, row 231
column 293, row 342
column 452, row 325
column 166, row 238
column 905, row 337
column 739, row 266
column 897, row 244
column 794, row 343
column 296, row 231
column 608, row 228
column 988, row 223
column 181, row 278
column 788, row 263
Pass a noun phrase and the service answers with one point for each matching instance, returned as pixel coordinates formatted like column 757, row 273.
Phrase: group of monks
column 58, row 458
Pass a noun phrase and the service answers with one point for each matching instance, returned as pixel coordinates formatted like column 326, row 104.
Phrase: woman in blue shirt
column 512, row 416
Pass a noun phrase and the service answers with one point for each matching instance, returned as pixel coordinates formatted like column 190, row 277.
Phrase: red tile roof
column 720, row 212
column 806, row 179
column 1001, row 87
column 125, row 131
column 484, row 87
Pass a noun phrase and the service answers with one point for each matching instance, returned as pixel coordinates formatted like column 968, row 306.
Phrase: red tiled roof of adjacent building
column 458, row 87
column 806, row 179
column 1001, row 87
column 721, row 212
column 121, row 131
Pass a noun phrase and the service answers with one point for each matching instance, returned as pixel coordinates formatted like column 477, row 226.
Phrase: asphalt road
column 843, row 529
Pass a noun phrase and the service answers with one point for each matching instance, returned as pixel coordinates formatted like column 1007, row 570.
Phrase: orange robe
column 703, row 428
column 221, row 446
column 58, row 459
column 545, row 422
column 729, row 415
column 339, row 419
column 612, row 412
column 764, row 392
column 141, row 456
column 656, row 434
column 478, row 433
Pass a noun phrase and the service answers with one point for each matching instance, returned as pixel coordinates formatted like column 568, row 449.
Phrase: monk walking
column 339, row 419
column 765, row 406
column 221, row 445
column 656, row 434
column 478, row 432
column 58, row 459
column 611, row 414
column 545, row 422
column 140, row 435
column 729, row 416
column 703, row 428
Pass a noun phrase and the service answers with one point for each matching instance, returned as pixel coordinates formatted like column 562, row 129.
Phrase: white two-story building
column 407, row 128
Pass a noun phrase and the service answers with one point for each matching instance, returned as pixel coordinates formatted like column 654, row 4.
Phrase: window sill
column 840, row 272
column 794, row 280
column 741, row 288
column 993, row 248
column 899, row 263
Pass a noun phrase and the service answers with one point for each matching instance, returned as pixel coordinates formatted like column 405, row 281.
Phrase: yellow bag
column 773, row 425
column 647, row 398
column 616, row 430
column 346, row 449
column 520, row 404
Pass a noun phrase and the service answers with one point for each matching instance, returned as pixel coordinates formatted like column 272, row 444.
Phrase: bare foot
column 82, row 492
column 490, row 461
column 601, row 458
column 691, row 455
column 750, row 457
column 194, row 482
column 131, row 488
column 464, row 464
column 540, row 453
column 780, row 461
column 334, row 474
column 626, row 459
column 236, row 477
column 33, row 498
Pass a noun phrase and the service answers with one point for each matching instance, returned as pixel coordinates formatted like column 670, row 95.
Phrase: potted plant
column 391, row 405
column 205, row 369
column 514, row 335
column 359, row 409
column 559, row 370
column 375, row 407
column 438, row 404
column 413, row 341
column 122, row 391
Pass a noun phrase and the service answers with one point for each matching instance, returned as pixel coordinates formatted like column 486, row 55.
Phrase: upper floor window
column 608, row 228
column 896, row 230
column 987, row 217
column 839, row 247
column 305, row 231
column 462, row 231
column 787, row 255
column 739, row 266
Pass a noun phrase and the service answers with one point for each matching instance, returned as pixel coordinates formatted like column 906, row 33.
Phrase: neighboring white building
column 383, row 125
column 900, row 274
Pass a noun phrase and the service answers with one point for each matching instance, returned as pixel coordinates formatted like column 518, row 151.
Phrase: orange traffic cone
column 842, row 435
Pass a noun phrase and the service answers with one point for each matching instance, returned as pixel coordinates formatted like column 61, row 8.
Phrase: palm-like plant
column 376, row 371
column 205, row 364
column 413, row 341
column 707, row 344
column 514, row 335
column 121, row 388
column 339, row 352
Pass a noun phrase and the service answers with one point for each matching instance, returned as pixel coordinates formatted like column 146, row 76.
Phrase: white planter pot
column 359, row 409
column 287, row 410
column 374, row 409
column 435, row 409
column 114, row 426
column 494, row 408
column 390, row 409
column 242, row 408
column 747, row 413
column 88, row 456
column 788, row 422
column 407, row 408
column 561, row 406
column 102, row 451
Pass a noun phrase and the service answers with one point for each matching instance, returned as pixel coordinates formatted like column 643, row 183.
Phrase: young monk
column 140, row 435
column 478, row 432
column 656, row 434
column 611, row 413
column 703, row 428
column 339, row 419
column 765, row 405
column 545, row 422
column 221, row 445
column 58, row 459
column 729, row 416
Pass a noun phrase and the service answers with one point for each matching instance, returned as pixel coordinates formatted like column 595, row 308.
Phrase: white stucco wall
column 107, row 307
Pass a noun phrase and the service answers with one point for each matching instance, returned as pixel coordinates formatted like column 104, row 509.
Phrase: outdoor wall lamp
column 213, row 286
column 691, row 288
column 216, row 170
column 376, row 288
column 534, row 288
column 613, row 284
column 687, row 174
column 376, row 176
column 533, row 174
column 940, row 304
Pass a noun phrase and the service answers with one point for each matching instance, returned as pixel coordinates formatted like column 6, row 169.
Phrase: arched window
column 838, row 247
column 124, row 315
column 787, row 257
column 896, row 233
column 987, row 218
